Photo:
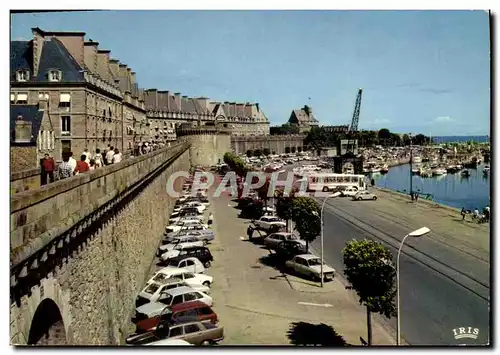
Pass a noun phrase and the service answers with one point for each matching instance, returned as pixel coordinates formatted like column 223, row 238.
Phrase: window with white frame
column 23, row 75
column 22, row 99
column 12, row 99
column 65, row 125
column 54, row 75
column 65, row 100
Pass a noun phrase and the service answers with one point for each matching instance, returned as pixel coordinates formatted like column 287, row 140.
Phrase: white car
column 182, row 242
column 310, row 265
column 350, row 191
column 169, row 342
column 190, row 278
column 184, row 223
column 152, row 291
column 190, row 263
column 266, row 222
column 172, row 297
column 273, row 240
column 177, row 219
column 364, row 195
column 195, row 204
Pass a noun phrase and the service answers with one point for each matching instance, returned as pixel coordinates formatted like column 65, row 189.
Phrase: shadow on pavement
column 272, row 261
column 308, row 334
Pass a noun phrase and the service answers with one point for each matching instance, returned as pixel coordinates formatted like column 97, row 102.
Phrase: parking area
column 258, row 304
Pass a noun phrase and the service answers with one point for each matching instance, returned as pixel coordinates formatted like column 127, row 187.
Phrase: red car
column 190, row 310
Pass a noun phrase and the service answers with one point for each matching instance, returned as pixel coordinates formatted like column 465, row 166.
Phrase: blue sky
column 421, row 71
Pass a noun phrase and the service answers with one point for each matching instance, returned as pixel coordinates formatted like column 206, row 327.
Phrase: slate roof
column 173, row 105
column 31, row 114
column 21, row 56
column 54, row 55
column 302, row 117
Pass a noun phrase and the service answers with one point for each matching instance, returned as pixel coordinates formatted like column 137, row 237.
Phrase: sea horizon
column 461, row 139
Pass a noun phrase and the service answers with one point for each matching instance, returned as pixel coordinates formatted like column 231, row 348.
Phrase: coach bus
column 329, row 181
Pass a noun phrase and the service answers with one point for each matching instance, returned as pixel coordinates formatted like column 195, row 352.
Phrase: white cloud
column 443, row 119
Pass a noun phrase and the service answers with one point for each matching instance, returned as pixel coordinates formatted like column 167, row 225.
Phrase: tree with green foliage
column 266, row 151
column 368, row 268
column 257, row 153
column 306, row 214
column 287, row 150
column 284, row 204
column 236, row 164
column 249, row 153
column 284, row 129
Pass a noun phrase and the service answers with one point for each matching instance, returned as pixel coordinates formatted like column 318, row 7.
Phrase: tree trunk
column 369, row 325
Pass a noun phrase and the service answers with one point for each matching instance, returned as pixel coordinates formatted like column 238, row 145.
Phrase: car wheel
column 374, row 198
column 206, row 283
column 325, row 189
column 205, row 241
column 359, row 198
column 207, row 264
column 206, row 343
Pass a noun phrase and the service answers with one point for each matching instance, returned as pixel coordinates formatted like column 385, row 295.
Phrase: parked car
column 310, row 265
column 202, row 253
column 152, row 291
column 268, row 222
column 189, row 277
column 196, row 310
column 196, row 333
column 274, row 239
column 185, row 214
column 350, row 191
column 182, row 224
column 193, row 204
column 169, row 298
column 364, row 195
column 287, row 249
column 202, row 232
column 189, row 263
column 169, row 342
column 181, row 243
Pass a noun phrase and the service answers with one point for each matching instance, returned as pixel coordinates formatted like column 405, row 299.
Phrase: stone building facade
column 166, row 111
column 89, row 99
column 304, row 119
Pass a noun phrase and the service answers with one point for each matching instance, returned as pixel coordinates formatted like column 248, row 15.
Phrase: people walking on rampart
column 117, row 157
column 92, row 165
column 72, row 161
column 48, row 168
column 81, row 165
column 210, row 219
column 109, row 156
column 87, row 155
column 65, row 169
column 98, row 159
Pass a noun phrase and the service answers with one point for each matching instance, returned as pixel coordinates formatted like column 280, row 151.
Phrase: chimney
column 163, row 100
column 114, row 65
column 90, row 55
column 257, row 105
column 203, row 101
column 103, row 64
column 38, row 39
column 178, row 100
column 123, row 75
column 23, row 130
column 72, row 41
column 308, row 110
column 151, row 99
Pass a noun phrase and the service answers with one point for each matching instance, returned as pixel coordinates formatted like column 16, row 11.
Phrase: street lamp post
column 416, row 233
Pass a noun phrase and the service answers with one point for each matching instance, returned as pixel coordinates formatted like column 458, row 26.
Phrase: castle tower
column 208, row 143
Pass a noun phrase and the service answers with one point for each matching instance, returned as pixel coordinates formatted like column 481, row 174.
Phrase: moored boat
column 465, row 173
column 384, row 169
column 439, row 171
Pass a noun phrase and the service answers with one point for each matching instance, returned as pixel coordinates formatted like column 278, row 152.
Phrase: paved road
column 434, row 297
column 444, row 275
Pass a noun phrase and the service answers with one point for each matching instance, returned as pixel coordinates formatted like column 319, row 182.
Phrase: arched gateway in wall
column 47, row 326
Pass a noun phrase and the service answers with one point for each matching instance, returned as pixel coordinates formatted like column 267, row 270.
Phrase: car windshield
column 314, row 262
column 152, row 288
column 160, row 277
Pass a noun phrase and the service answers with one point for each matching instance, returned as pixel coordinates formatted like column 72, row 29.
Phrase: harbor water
column 451, row 189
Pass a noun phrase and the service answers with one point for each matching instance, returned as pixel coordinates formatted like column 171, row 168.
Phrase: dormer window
column 23, row 75
column 54, row 75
